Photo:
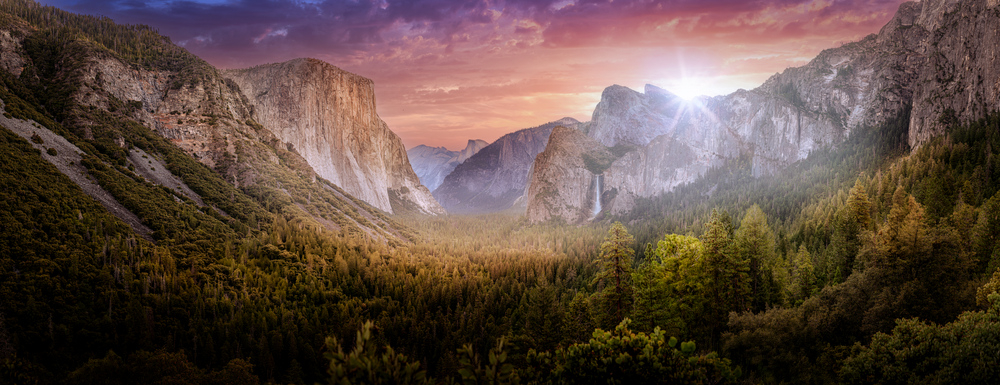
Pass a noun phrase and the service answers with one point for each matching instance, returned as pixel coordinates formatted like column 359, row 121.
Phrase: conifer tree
column 670, row 287
column 800, row 273
column 728, row 281
column 755, row 243
column 854, row 219
column 616, row 273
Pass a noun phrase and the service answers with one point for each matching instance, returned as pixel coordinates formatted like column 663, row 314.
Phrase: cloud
column 481, row 68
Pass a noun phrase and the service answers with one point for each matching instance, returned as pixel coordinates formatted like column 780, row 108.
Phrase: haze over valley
column 314, row 191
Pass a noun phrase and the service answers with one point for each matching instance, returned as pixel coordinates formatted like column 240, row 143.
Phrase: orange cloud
column 449, row 70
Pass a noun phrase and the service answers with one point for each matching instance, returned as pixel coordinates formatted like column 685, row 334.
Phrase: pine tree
column 755, row 242
column 853, row 219
column 616, row 273
column 801, row 278
column 728, row 281
column 670, row 287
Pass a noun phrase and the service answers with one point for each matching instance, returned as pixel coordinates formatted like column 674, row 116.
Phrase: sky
column 446, row 71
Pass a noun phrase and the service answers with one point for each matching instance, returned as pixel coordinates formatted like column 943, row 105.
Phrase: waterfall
column 598, row 184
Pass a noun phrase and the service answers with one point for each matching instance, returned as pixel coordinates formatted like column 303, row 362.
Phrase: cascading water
column 598, row 184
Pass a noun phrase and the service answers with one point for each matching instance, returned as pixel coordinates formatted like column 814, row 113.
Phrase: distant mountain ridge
column 433, row 164
column 935, row 58
column 496, row 177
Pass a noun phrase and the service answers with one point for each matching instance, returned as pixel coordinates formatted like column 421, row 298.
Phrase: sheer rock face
column 496, row 177
column 626, row 117
column 934, row 56
column 660, row 166
column 433, row 164
column 207, row 120
column 325, row 114
column 961, row 81
column 10, row 60
column 561, row 185
column 328, row 116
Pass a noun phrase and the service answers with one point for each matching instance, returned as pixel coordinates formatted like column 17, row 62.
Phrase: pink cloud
column 449, row 70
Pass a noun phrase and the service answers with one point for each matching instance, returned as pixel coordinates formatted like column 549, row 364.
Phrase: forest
column 868, row 262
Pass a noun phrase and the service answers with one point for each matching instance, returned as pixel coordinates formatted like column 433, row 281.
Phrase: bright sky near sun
column 446, row 71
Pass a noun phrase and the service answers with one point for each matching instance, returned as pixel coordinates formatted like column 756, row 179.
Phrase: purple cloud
column 413, row 47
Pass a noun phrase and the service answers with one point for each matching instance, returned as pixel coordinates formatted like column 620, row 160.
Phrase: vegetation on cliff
column 867, row 262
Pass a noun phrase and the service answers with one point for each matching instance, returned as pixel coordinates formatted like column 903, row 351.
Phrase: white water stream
column 597, row 195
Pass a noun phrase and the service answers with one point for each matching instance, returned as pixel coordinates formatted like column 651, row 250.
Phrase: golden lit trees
column 616, row 273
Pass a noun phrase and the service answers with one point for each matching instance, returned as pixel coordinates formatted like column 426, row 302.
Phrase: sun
column 687, row 87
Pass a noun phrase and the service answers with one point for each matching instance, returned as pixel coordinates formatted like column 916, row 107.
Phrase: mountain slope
column 858, row 86
column 433, row 164
column 564, row 185
column 152, row 114
column 495, row 177
column 328, row 116
column 146, row 209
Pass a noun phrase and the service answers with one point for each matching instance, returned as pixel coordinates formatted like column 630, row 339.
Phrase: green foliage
column 790, row 92
column 365, row 364
column 908, row 269
column 986, row 234
column 959, row 352
column 156, row 206
column 728, row 283
column 801, row 277
column 754, row 242
column 545, row 317
column 790, row 198
column 918, row 267
column 137, row 44
column 496, row 372
column 615, row 276
column 597, row 162
column 159, row 367
column 853, row 219
column 984, row 292
column 247, row 287
column 670, row 290
column 293, row 282
column 622, row 356
column 58, row 246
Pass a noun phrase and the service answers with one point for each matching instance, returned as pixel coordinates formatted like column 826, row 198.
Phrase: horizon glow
column 447, row 71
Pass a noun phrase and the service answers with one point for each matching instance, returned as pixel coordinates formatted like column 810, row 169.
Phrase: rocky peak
column 433, row 164
column 473, row 147
column 627, row 117
column 858, row 85
column 907, row 15
column 496, row 177
column 328, row 116
column 566, row 182
column 653, row 91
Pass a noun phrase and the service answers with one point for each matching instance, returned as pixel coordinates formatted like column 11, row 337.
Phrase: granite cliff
column 152, row 114
column 934, row 57
column 566, row 182
column 496, row 177
column 960, row 81
column 328, row 116
column 433, row 164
